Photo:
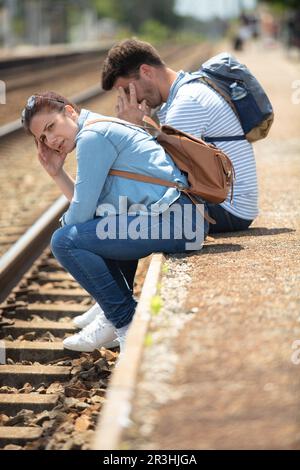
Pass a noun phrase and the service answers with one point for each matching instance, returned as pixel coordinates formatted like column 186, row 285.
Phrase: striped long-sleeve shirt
column 196, row 108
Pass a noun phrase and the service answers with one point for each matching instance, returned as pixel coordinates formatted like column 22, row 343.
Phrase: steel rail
column 18, row 259
column 43, row 58
column 79, row 98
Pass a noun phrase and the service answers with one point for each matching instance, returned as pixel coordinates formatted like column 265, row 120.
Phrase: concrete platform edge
column 115, row 415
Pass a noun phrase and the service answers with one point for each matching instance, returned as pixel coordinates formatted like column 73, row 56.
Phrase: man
column 143, row 80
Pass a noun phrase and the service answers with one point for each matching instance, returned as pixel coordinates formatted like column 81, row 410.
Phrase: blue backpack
column 244, row 94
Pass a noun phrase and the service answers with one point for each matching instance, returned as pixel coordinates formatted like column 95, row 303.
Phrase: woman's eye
column 50, row 126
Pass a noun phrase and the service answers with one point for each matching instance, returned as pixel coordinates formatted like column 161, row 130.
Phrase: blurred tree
column 134, row 12
column 154, row 31
column 106, row 8
column 284, row 3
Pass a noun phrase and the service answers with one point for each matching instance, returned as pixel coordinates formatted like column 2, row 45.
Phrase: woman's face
column 56, row 130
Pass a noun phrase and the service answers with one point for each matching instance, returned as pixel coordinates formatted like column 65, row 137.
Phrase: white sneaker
column 95, row 335
column 86, row 318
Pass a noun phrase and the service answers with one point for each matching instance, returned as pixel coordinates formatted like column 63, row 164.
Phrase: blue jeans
column 226, row 222
column 95, row 262
column 128, row 269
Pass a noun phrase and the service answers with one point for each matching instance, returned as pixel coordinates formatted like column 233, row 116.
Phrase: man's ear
column 146, row 71
column 70, row 112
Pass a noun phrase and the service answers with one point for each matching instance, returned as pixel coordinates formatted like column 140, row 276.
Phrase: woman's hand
column 129, row 109
column 51, row 160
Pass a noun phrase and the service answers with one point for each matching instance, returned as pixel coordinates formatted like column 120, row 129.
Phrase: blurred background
column 27, row 23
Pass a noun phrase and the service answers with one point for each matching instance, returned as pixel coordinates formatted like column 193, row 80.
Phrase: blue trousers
column 97, row 264
column 226, row 222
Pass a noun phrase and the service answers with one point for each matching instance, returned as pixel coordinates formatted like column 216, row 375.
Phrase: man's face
column 145, row 90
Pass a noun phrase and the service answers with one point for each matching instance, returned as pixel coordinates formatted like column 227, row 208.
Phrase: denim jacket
column 105, row 145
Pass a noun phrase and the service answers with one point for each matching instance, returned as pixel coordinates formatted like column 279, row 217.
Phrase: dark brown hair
column 125, row 58
column 45, row 101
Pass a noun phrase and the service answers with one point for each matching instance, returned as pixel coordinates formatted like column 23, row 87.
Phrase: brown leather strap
column 210, row 83
column 143, row 178
column 150, row 179
column 149, row 125
column 150, row 122
column 116, row 120
column 128, row 174
column 200, row 209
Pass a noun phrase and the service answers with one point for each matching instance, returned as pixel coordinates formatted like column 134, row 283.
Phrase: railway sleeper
column 20, row 327
column 50, row 311
column 19, row 435
column 18, row 375
column 41, row 351
column 12, row 403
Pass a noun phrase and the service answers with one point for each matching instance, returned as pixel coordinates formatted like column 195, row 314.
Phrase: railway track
column 50, row 398
column 68, row 75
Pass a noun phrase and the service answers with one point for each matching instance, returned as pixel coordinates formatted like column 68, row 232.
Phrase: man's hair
column 125, row 58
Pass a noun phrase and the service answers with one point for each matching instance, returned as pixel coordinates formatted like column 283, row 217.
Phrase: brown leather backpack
column 209, row 170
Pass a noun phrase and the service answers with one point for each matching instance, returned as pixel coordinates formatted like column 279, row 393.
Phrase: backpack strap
column 224, row 139
column 149, row 125
column 150, row 179
column 206, row 81
column 116, row 120
column 145, row 179
column 232, row 138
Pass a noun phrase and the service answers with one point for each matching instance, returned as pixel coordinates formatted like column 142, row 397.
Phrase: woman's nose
column 52, row 140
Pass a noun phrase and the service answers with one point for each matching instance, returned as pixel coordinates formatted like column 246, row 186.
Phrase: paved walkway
column 220, row 371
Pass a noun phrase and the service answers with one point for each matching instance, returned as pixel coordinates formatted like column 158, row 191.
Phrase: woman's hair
column 45, row 101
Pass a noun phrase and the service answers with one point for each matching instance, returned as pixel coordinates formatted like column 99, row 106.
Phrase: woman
column 110, row 219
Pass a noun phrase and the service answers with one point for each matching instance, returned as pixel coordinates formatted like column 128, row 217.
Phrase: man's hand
column 129, row 109
column 51, row 160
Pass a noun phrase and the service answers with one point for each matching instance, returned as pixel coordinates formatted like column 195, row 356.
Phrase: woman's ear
column 70, row 112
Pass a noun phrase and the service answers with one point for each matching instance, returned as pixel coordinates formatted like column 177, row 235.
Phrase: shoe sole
column 112, row 344
column 109, row 345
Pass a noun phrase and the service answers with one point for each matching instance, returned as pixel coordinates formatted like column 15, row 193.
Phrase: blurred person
column 269, row 29
column 244, row 32
column 293, row 29
column 255, row 26
column 58, row 128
